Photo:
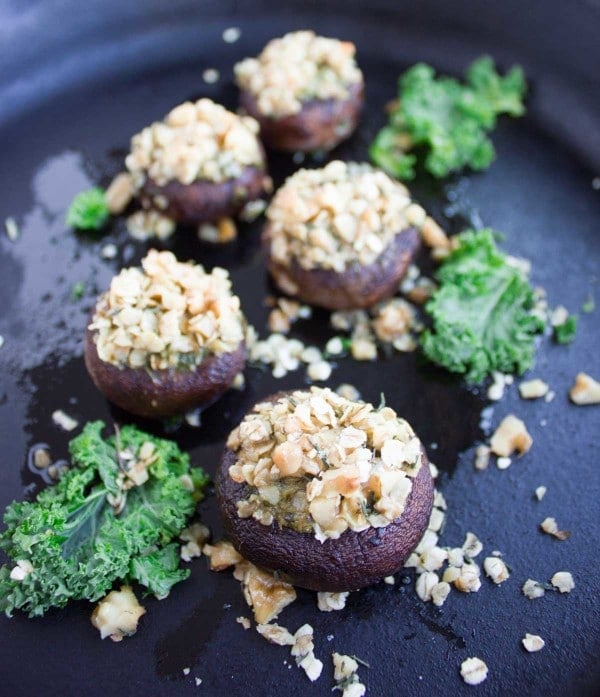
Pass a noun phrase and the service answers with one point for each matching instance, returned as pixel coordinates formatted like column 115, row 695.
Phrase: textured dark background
column 75, row 82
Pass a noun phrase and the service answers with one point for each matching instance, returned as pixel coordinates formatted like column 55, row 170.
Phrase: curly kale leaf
column 88, row 210
column 447, row 120
column 79, row 543
column 481, row 313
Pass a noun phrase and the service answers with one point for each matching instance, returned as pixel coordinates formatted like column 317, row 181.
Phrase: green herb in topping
column 111, row 517
column 88, row 210
column 77, row 291
column 481, row 314
column 565, row 333
column 447, row 119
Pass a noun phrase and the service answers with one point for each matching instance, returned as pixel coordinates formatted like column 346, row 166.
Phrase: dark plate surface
column 71, row 98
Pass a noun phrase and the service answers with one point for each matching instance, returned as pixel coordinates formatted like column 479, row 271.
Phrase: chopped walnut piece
column 467, row 580
column 533, row 389
column 473, row 671
column 496, row 569
column 264, row 593
column 328, row 602
column 585, row 391
column 303, row 641
column 276, row 634
column 311, row 665
column 533, row 642
column 194, row 537
column 222, row 555
column 533, row 589
column 472, row 545
column 439, row 593
column 550, row 527
column 510, row 436
column 119, row 193
column 117, row 615
column 62, row 419
column 348, row 391
column 345, row 675
column 540, row 492
column 433, row 235
column 433, row 558
column 482, row 457
column 144, row 225
column 244, row 621
column 503, row 463
column 563, row 581
column 426, row 582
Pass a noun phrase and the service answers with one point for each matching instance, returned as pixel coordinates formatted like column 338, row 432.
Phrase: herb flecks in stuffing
column 112, row 516
column 448, row 119
column 482, row 313
column 564, row 333
column 88, row 210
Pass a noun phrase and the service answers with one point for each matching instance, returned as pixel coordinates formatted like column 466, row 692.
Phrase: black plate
column 76, row 83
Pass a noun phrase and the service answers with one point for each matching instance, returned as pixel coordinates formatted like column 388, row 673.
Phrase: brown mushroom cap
column 356, row 287
column 354, row 560
column 166, row 392
column 321, row 124
column 206, row 201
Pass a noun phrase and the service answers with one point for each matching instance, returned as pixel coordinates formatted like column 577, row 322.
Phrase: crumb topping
column 336, row 217
column 167, row 314
column 317, row 462
column 196, row 141
column 296, row 68
column 473, row 671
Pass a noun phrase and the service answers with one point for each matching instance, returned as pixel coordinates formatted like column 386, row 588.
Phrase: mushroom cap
column 357, row 286
column 321, row 124
column 205, row 201
column 167, row 392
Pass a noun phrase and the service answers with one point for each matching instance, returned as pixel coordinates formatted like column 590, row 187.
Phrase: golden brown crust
column 319, row 125
column 354, row 560
column 165, row 392
column 206, row 201
column 356, row 287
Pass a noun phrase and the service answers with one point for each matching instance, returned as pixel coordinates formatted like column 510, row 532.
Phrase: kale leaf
column 97, row 526
column 88, row 210
column 481, row 314
column 446, row 119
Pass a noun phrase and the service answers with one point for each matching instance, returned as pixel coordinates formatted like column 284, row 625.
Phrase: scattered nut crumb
column 222, row 555
column 474, row 671
column 533, row 642
column 319, row 371
column 559, row 316
column 533, row 389
column 186, row 671
column 119, row 193
column 510, row 435
column 194, row 536
column 244, row 621
column 239, row 382
column 348, row 391
column 390, row 580
column 550, row 527
column 503, row 463
column 41, row 458
column 12, row 229
column 66, row 422
column 276, row 634
column 563, row 581
column 346, row 676
column 482, row 457
column 231, row 35
column 265, row 594
column 426, row 582
column 533, row 589
column 117, row 615
column 327, row 602
column 472, row 545
column 109, row 251
column 439, row 593
column 585, row 391
column 210, row 76
column 496, row 569
column 495, row 391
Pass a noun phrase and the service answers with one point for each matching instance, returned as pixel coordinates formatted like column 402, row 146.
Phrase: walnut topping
column 276, row 634
column 585, row 391
column 222, row 555
column 265, row 594
column 196, row 141
column 296, row 68
column 166, row 314
column 510, row 436
column 194, row 537
column 533, row 589
column 345, row 674
column 550, row 527
column 144, row 225
column 332, row 218
column 563, row 581
column 319, row 462
column 540, row 492
column 473, row 671
column 119, row 193
column 533, row 642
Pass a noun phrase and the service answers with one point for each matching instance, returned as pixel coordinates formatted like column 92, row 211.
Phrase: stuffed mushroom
column 201, row 164
column 339, row 237
column 335, row 494
column 166, row 337
column 306, row 91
